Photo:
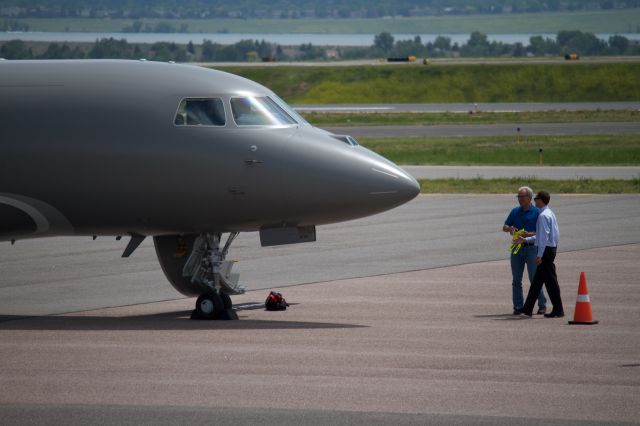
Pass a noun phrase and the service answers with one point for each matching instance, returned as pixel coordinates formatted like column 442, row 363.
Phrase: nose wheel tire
column 214, row 306
column 209, row 306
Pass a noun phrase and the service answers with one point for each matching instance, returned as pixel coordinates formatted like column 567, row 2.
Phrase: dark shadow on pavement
column 4, row 318
column 252, row 306
column 163, row 321
column 496, row 316
column 504, row 317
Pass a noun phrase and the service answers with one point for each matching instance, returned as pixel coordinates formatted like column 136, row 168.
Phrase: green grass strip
column 431, row 118
column 481, row 83
column 591, row 150
column 502, row 186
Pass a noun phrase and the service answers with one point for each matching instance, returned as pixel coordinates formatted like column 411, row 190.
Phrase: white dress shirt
column 547, row 232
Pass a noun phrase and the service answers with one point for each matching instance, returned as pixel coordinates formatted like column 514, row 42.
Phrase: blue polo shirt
column 523, row 219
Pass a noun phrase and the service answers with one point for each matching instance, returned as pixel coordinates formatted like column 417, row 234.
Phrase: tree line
column 110, row 48
column 243, row 9
column 478, row 45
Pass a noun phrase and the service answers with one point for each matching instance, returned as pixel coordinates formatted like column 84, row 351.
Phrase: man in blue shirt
column 546, row 244
column 523, row 217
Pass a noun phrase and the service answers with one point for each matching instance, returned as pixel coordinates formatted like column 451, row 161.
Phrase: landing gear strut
column 207, row 266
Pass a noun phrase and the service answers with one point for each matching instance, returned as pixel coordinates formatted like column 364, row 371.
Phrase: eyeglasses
column 522, row 196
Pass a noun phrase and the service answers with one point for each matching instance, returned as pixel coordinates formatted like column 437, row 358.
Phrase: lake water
column 282, row 39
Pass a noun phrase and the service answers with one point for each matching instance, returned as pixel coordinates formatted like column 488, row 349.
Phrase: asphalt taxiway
column 58, row 275
column 408, row 321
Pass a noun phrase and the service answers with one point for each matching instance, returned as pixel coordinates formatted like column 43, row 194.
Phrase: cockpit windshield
column 259, row 111
column 292, row 112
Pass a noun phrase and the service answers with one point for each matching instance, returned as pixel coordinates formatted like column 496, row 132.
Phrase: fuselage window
column 200, row 112
column 259, row 111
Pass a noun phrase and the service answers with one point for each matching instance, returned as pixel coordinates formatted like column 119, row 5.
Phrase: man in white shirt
column 546, row 242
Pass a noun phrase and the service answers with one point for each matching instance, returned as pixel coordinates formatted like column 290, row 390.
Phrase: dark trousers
column 545, row 274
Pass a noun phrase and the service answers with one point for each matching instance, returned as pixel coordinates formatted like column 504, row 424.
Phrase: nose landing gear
column 207, row 266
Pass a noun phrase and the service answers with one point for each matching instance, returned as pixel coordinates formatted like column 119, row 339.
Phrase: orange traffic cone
column 582, row 314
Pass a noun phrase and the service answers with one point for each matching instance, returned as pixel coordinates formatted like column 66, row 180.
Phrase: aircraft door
column 257, row 191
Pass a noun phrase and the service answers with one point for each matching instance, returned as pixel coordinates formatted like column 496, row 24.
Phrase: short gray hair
column 527, row 189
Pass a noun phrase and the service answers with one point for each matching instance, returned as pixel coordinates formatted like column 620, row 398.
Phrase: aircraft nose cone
column 410, row 189
column 398, row 183
column 389, row 185
column 329, row 182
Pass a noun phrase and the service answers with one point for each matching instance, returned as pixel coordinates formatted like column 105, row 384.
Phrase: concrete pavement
column 436, row 346
column 537, row 172
column 408, row 322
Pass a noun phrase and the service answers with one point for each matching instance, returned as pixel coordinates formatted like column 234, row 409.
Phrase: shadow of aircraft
column 161, row 321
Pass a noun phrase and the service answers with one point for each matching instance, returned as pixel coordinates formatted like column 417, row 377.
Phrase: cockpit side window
column 200, row 112
column 259, row 111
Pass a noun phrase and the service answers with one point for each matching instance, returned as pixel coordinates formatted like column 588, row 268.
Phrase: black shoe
column 541, row 311
column 523, row 312
column 554, row 315
column 517, row 311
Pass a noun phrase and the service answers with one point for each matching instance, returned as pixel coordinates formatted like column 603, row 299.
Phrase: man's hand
column 520, row 240
column 538, row 260
column 510, row 229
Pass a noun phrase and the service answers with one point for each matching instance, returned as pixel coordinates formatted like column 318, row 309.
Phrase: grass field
column 563, row 82
column 502, row 186
column 614, row 21
column 430, row 118
column 598, row 150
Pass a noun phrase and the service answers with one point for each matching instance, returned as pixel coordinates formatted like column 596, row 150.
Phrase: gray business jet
column 181, row 153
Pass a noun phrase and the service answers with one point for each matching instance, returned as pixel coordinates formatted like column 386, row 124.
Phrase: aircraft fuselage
column 98, row 148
